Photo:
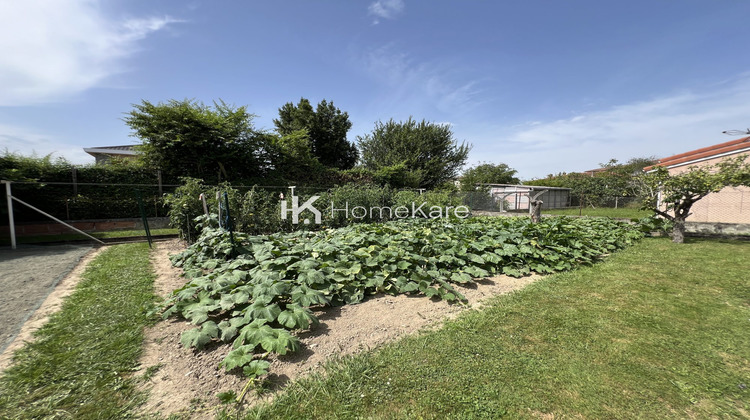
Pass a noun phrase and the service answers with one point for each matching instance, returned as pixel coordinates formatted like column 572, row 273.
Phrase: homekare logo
column 360, row 212
column 296, row 209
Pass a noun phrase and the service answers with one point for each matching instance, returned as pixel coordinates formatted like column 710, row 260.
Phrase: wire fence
column 83, row 201
column 730, row 205
column 515, row 201
column 87, row 201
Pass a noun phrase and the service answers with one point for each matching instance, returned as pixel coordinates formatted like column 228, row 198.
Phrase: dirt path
column 187, row 379
column 32, row 278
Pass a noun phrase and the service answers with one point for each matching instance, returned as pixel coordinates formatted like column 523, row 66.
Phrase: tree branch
column 663, row 214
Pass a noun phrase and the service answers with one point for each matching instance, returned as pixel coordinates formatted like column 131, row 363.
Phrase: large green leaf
column 262, row 310
column 256, row 368
column 297, row 317
column 199, row 337
column 280, row 342
column 253, row 333
column 238, row 357
column 305, row 296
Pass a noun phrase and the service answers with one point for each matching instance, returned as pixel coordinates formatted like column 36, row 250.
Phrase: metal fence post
column 144, row 219
column 10, row 215
column 75, row 181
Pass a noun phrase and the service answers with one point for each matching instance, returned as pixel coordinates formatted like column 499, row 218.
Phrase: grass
column 623, row 212
column 77, row 236
column 82, row 362
column 659, row 330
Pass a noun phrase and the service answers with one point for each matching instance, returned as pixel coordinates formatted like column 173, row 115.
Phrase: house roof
column 527, row 187
column 593, row 172
column 717, row 150
column 127, row 150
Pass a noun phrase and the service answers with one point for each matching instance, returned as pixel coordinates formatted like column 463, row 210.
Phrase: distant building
column 594, row 172
column 731, row 204
column 104, row 155
column 517, row 197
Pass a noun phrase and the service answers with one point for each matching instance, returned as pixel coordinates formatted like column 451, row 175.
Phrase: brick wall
column 54, row 228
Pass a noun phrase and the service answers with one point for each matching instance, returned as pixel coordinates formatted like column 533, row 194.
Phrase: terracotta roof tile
column 703, row 153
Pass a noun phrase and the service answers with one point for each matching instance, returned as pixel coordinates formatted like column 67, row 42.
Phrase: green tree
column 488, row 173
column 397, row 176
column 672, row 196
column 188, row 138
column 427, row 149
column 292, row 157
column 619, row 178
column 616, row 180
column 326, row 126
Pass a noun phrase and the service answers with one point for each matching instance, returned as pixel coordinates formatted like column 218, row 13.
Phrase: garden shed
column 517, row 197
column 731, row 204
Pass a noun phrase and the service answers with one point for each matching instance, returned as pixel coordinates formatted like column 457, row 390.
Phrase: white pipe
column 57, row 220
column 10, row 215
column 205, row 206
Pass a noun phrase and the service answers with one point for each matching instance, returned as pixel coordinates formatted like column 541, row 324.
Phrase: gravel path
column 27, row 275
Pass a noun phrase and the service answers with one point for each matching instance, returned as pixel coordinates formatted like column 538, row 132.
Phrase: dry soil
column 188, row 381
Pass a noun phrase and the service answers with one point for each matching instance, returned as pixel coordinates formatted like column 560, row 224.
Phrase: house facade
column 731, row 204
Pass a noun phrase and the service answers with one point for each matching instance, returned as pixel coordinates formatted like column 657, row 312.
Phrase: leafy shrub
column 55, row 193
column 398, row 176
column 260, row 212
column 185, row 205
column 405, row 198
column 654, row 224
column 341, row 202
column 441, row 198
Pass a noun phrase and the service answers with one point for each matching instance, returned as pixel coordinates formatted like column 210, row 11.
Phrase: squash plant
column 257, row 293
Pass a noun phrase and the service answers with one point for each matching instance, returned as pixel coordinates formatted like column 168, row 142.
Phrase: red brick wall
column 53, row 228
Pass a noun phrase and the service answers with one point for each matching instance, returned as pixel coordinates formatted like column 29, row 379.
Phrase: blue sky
column 543, row 86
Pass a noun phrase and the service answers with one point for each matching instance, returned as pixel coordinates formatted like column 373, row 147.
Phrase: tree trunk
column 536, row 211
column 681, row 213
column 678, row 231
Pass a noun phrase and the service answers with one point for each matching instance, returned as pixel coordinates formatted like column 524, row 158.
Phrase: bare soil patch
column 35, row 280
column 187, row 380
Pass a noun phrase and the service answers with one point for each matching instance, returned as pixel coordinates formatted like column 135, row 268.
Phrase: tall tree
column 326, row 126
column 292, row 158
column 616, row 180
column 488, row 173
column 427, row 149
column 188, row 138
column 672, row 196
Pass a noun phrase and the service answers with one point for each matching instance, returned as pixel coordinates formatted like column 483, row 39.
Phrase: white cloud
column 661, row 126
column 54, row 49
column 418, row 86
column 385, row 9
column 27, row 142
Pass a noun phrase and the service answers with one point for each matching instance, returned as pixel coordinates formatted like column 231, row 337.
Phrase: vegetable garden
column 256, row 291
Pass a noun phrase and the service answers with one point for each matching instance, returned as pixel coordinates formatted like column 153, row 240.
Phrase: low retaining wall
column 100, row 225
column 729, row 229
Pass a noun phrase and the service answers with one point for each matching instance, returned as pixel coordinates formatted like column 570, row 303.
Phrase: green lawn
column 77, row 236
column 659, row 330
column 81, row 365
column 625, row 213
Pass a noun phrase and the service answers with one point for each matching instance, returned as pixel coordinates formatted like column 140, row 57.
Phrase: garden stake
column 228, row 222
column 143, row 217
